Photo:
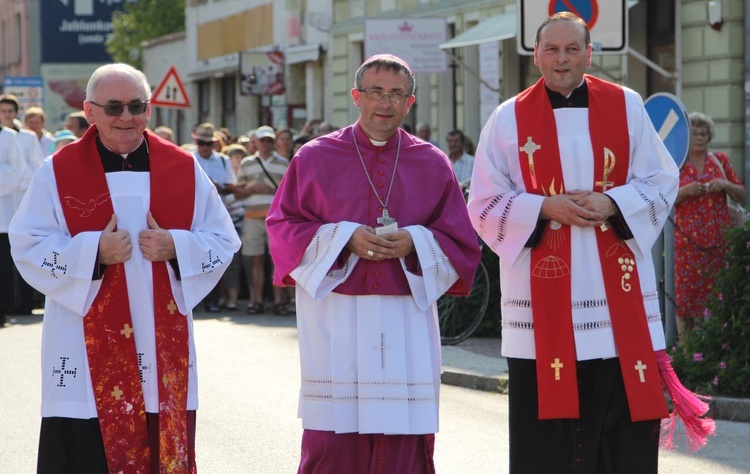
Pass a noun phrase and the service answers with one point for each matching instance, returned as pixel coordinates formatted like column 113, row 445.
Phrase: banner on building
column 415, row 40
column 28, row 90
column 75, row 31
column 261, row 73
column 607, row 21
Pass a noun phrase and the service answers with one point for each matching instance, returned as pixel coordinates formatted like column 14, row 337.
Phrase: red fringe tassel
column 688, row 407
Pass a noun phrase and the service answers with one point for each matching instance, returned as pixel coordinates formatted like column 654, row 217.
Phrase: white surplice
column 61, row 267
column 505, row 216
column 370, row 364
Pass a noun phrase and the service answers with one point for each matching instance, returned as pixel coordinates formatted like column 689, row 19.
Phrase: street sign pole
column 671, row 122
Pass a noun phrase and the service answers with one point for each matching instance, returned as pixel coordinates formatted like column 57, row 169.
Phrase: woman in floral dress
column 701, row 219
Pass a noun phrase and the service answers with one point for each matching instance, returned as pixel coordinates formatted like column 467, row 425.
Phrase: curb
column 720, row 408
column 730, row 409
column 497, row 384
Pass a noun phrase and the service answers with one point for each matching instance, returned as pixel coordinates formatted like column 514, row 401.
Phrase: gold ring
column 370, row 253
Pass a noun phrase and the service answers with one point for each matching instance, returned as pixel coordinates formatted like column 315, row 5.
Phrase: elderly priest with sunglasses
column 370, row 224
column 125, row 234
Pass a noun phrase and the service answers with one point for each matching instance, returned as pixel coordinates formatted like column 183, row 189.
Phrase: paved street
column 247, row 423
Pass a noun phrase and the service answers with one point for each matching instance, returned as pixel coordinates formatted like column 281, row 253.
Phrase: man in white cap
column 257, row 181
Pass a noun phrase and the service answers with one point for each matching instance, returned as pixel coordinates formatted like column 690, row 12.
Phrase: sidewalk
column 477, row 364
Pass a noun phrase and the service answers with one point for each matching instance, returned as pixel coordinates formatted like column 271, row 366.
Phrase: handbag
column 739, row 214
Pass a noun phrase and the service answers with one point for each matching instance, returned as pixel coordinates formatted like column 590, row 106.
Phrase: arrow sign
column 671, row 122
column 171, row 92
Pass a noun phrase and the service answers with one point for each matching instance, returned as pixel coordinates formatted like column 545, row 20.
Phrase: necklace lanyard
column 386, row 219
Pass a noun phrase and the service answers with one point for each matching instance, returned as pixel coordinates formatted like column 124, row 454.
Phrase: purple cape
column 326, row 183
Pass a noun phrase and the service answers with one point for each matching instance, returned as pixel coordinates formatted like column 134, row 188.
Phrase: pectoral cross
column 557, row 365
column 640, row 367
column 386, row 219
column 529, row 148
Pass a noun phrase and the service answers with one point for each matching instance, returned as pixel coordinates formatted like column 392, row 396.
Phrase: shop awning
column 496, row 28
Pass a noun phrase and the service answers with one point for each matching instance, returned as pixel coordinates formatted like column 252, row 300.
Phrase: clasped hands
column 578, row 208
column 367, row 245
column 714, row 186
column 115, row 247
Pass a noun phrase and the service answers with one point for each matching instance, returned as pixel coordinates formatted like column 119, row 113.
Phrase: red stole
column 110, row 344
column 539, row 158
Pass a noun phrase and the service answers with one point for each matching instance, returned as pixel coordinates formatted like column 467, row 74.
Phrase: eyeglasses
column 115, row 109
column 377, row 95
column 202, row 143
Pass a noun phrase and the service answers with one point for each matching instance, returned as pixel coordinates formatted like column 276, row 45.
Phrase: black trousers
column 75, row 446
column 7, row 278
column 602, row 441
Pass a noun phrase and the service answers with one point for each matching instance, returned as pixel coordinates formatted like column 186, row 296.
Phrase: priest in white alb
column 124, row 234
column 571, row 188
column 370, row 225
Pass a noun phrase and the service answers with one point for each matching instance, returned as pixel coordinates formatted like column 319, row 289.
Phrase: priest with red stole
column 124, row 234
column 370, row 225
column 571, row 188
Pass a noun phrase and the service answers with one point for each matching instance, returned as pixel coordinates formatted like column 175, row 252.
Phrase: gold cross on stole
column 640, row 367
column 557, row 365
column 117, row 393
column 529, row 148
column 126, row 331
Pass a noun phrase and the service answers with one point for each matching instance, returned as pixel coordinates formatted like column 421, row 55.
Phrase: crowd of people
column 362, row 229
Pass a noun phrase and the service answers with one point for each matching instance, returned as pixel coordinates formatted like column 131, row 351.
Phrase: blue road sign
column 670, row 120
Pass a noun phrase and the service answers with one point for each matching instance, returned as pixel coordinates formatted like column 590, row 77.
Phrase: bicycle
column 460, row 316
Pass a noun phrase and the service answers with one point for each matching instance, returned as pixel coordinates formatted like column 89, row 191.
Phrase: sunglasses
column 202, row 143
column 115, row 109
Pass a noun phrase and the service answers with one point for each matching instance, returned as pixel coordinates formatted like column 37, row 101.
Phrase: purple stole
column 108, row 326
column 539, row 159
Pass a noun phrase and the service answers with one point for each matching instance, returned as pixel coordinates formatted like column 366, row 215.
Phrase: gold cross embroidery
column 557, row 365
column 165, row 380
column 126, row 331
column 117, row 393
column 640, row 367
column 529, row 148
column 171, row 306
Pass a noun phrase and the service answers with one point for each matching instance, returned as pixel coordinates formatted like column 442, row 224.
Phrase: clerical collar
column 579, row 98
column 136, row 160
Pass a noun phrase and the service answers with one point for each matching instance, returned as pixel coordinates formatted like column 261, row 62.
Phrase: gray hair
column 698, row 119
column 113, row 69
column 389, row 63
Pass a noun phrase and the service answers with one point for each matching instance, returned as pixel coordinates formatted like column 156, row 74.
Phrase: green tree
column 142, row 20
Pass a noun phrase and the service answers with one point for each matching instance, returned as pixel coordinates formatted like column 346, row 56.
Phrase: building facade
column 695, row 49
